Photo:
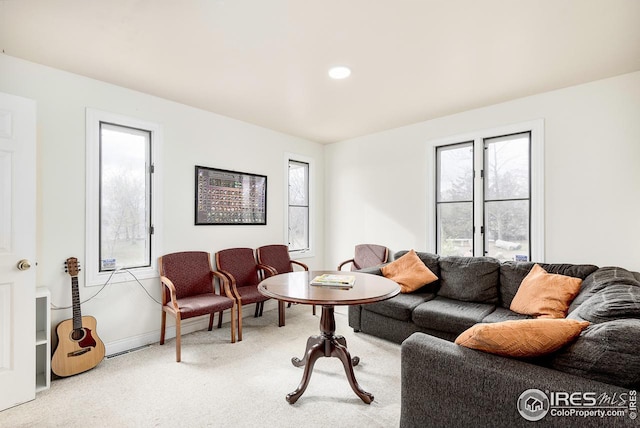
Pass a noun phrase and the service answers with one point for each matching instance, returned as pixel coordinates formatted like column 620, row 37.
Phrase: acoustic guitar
column 79, row 348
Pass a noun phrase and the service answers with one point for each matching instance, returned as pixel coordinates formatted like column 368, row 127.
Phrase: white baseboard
column 188, row 326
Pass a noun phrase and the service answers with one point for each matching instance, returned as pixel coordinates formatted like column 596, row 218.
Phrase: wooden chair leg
column 255, row 314
column 211, row 320
column 314, row 309
column 261, row 308
column 220, row 318
column 163, row 326
column 239, row 322
column 178, row 338
column 233, row 323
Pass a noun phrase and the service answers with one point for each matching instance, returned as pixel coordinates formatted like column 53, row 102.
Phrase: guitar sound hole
column 77, row 334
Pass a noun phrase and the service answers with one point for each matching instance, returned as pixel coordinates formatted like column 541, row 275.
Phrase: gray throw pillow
column 470, row 279
column 601, row 279
column 613, row 302
column 606, row 352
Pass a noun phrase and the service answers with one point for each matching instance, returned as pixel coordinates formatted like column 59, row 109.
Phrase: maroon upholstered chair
column 277, row 257
column 243, row 272
column 367, row 255
column 189, row 291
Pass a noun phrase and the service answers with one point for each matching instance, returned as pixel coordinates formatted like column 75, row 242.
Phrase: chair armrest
column 231, row 283
column 172, row 292
column 224, row 284
column 345, row 262
column 267, row 270
column 295, row 262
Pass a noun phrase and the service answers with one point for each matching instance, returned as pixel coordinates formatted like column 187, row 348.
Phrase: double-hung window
column 122, row 197
column 487, row 194
column 454, row 204
column 298, row 224
column 507, row 196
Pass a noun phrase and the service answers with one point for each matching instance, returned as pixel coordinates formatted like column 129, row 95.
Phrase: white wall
column 376, row 184
column 125, row 314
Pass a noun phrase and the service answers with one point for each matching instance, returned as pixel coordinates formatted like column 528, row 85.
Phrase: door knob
column 23, row 264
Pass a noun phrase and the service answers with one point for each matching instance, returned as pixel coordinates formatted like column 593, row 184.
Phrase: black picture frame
column 225, row 197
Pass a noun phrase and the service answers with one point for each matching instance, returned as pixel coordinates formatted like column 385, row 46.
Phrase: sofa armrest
column 444, row 384
column 355, row 311
column 374, row 270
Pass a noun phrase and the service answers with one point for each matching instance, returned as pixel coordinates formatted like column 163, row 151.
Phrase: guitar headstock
column 73, row 266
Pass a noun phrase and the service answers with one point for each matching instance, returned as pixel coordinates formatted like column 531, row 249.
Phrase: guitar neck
column 75, row 294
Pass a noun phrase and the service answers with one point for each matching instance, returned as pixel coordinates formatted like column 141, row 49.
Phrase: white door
column 17, row 242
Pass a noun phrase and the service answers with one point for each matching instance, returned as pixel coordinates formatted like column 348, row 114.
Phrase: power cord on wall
column 57, row 308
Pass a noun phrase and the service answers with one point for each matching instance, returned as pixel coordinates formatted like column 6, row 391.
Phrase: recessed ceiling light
column 339, row 72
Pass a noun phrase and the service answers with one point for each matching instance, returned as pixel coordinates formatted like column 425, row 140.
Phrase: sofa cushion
column 606, row 352
column 409, row 272
column 501, row 314
column 512, row 274
column 400, row 306
column 601, row 279
column 613, row 302
column 431, row 261
column 544, row 294
column 448, row 315
column 470, row 279
column 522, row 338
column 387, row 328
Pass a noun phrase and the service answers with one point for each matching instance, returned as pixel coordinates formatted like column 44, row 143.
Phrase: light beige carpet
column 220, row 384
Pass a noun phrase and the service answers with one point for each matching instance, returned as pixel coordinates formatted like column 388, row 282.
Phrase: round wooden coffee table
column 295, row 287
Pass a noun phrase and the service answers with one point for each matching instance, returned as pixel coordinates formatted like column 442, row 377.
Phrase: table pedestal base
column 327, row 344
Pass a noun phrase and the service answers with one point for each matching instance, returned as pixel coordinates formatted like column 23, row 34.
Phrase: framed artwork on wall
column 226, row 197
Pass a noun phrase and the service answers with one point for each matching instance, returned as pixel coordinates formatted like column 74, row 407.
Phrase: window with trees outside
column 125, row 197
column 298, row 206
column 121, row 195
column 488, row 195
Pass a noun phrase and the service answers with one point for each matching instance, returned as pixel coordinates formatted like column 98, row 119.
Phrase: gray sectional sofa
column 444, row 384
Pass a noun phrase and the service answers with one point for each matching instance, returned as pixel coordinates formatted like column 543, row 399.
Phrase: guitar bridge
column 78, row 352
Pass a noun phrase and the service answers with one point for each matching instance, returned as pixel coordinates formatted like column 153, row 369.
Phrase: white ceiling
column 265, row 61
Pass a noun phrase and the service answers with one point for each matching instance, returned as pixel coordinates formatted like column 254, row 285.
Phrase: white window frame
column 93, row 276
column 536, row 127
column 310, row 161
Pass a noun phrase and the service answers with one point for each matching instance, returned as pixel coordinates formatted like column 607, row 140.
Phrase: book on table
column 333, row 280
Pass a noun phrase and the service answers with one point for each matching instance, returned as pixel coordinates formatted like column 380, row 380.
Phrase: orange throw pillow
column 545, row 295
column 522, row 338
column 409, row 272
